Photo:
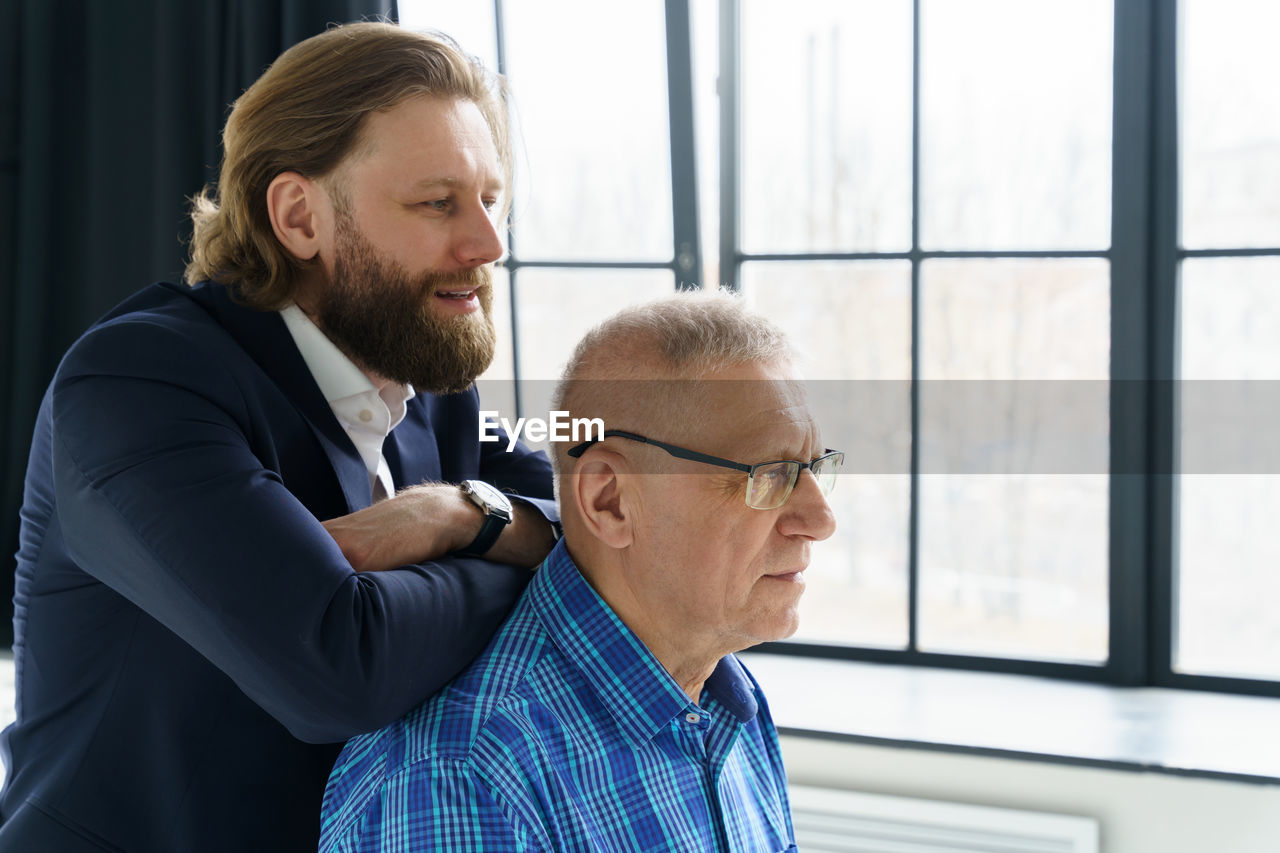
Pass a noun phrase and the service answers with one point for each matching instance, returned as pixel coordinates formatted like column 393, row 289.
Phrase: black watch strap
column 489, row 533
column 497, row 515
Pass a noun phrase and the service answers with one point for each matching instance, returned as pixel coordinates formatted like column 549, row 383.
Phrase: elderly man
column 197, row 629
column 609, row 713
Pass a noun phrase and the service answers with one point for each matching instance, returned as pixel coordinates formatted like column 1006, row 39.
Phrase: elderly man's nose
column 809, row 513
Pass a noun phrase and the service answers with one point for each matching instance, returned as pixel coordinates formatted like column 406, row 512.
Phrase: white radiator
column 831, row 821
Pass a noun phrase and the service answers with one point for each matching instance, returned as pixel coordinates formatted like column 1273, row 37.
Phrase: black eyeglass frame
column 694, row 456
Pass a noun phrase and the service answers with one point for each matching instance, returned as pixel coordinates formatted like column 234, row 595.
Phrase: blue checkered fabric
column 566, row 735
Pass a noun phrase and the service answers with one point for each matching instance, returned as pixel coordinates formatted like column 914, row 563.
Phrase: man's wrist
column 497, row 514
column 469, row 519
column 527, row 540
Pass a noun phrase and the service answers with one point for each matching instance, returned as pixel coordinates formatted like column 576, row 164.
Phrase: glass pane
column 503, row 355
column 495, row 385
column 1230, row 318
column 1230, row 114
column 826, row 125
column 1014, row 457
column 1008, row 319
column 853, row 325
column 469, row 24
column 592, row 111
column 1228, row 583
column 555, row 308
column 1016, row 124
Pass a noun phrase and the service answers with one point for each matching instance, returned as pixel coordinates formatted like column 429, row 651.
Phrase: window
column 1031, row 250
column 952, row 220
column 1226, row 585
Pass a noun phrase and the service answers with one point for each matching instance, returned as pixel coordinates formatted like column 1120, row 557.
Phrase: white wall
column 1139, row 812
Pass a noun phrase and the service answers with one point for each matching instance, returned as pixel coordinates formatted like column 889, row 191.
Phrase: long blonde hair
column 305, row 114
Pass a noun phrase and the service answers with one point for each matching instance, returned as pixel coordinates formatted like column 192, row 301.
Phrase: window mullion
column 1164, row 272
column 913, row 511
column 499, row 34
column 1131, row 310
column 684, row 175
column 730, row 90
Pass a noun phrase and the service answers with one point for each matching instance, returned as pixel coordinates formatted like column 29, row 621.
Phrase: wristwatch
column 497, row 515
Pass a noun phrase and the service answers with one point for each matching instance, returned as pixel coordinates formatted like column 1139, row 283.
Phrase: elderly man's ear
column 603, row 499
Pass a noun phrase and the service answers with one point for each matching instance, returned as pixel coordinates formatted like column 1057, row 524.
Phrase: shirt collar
column 337, row 376
column 640, row 694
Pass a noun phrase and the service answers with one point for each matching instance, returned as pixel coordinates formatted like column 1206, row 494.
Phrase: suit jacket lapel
column 264, row 336
column 412, row 449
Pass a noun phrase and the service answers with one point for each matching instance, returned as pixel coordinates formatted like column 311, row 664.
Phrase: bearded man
column 222, row 575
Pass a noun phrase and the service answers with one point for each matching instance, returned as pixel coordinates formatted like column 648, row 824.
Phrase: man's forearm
column 429, row 521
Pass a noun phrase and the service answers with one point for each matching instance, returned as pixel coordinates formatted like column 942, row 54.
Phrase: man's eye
column 490, row 204
column 437, row 204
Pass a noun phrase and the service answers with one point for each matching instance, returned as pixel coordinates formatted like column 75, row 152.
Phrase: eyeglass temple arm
column 680, row 452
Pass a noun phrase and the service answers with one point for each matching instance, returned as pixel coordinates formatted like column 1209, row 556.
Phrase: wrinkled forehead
column 758, row 418
column 751, row 408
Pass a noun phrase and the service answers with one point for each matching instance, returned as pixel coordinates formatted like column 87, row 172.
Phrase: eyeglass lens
column 826, row 469
column 771, row 484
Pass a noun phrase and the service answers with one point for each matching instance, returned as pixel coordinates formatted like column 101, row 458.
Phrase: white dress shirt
column 367, row 411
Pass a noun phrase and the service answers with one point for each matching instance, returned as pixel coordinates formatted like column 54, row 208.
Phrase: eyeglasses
column 769, row 484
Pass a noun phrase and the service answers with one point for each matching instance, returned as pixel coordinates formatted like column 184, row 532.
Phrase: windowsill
column 1013, row 716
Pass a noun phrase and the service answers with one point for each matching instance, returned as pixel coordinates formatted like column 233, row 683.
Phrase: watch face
column 487, row 493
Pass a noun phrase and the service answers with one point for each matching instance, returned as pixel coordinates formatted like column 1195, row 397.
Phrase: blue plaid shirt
column 566, row 734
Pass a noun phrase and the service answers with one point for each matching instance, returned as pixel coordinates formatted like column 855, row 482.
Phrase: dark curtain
column 110, row 118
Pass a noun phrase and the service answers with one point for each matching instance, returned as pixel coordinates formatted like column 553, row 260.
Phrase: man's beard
column 382, row 318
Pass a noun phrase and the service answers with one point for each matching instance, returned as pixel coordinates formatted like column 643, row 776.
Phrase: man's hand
column 426, row 522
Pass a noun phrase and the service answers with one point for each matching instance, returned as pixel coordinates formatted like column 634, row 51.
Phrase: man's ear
column 296, row 205
column 603, row 499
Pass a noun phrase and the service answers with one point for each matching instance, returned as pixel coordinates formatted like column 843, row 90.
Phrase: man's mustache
column 476, row 278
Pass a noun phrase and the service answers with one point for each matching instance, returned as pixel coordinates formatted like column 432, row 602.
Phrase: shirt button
column 692, row 718
column 366, row 415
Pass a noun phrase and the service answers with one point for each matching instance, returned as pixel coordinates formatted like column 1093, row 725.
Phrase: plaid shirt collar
column 638, row 692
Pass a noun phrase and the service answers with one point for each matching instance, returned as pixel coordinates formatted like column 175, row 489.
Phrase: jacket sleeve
column 161, row 497
column 521, row 471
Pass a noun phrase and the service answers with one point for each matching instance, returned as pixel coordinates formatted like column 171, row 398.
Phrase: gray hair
column 692, row 333
column 624, row 366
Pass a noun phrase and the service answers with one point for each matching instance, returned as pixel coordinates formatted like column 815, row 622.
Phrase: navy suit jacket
column 191, row 647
